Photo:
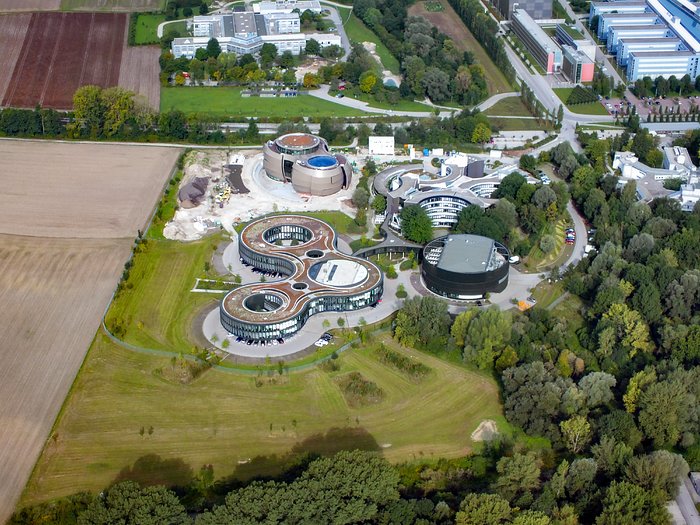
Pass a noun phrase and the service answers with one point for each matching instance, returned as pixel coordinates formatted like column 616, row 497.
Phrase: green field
column 147, row 28
column 226, row 102
column 224, row 419
column 515, row 124
column 511, row 106
column 403, row 105
column 592, row 108
column 357, row 31
column 110, row 5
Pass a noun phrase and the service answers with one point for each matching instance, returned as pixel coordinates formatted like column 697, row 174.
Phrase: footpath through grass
column 511, row 106
column 123, row 420
column 227, row 102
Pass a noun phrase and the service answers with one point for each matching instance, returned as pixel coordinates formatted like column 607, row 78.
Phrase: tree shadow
column 151, row 469
column 287, row 467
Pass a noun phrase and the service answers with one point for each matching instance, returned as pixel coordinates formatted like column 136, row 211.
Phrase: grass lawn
column 511, row 106
column 227, row 102
column 357, row 31
column 402, row 105
column 537, row 260
column 242, row 429
column 515, row 124
column 592, row 108
column 546, row 293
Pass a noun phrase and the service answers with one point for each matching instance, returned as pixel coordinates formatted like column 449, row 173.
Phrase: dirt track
column 82, row 204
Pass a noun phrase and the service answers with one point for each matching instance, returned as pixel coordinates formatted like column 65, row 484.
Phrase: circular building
column 319, row 278
column 304, row 160
column 465, row 266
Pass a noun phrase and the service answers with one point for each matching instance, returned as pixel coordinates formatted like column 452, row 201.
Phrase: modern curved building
column 319, row 278
column 465, row 266
column 305, row 161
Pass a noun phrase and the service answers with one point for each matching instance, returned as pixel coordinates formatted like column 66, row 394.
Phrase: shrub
column 581, row 95
column 415, row 370
column 358, row 390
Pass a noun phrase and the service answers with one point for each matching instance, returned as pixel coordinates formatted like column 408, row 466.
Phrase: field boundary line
column 53, row 59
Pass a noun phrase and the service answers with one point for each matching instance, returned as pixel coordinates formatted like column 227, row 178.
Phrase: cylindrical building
column 465, row 266
column 304, row 160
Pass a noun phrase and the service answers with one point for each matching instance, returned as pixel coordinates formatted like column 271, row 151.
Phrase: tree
column 416, row 226
column 517, row 475
column 576, row 432
column 623, row 328
column 547, row 243
column 483, row 509
column 422, row 321
column 611, row 456
column 311, row 81
column 509, row 186
column 481, row 134
column 597, row 387
column 527, row 163
column 360, row 197
column 118, row 104
column 203, row 8
column 436, row 84
column 213, row 48
column 628, row 504
column 367, row 81
column 88, row 109
column 485, row 334
column 379, row 204
column 128, row 503
column 313, row 47
column 660, row 471
column 268, row 54
column 666, row 410
column 543, row 197
column 173, row 124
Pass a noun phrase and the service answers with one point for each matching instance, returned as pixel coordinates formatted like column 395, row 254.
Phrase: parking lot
column 653, row 105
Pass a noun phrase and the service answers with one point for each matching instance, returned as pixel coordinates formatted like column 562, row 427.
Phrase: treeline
column 485, row 30
column 662, row 87
column 431, row 63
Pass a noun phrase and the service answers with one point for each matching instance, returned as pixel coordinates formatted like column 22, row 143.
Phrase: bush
column 391, row 272
column 358, row 390
column 406, row 265
column 414, row 369
column 547, row 243
column 401, row 292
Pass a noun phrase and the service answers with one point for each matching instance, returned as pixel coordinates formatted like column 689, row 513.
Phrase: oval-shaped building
column 319, row 278
column 305, row 161
column 464, row 266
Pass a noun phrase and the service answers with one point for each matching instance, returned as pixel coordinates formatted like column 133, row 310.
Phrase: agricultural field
column 124, row 418
column 69, row 216
column 136, row 72
column 59, row 52
column 8, row 6
column 448, row 22
column 111, row 5
column 228, row 102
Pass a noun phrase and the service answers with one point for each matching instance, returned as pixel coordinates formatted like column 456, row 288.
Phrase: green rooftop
column 573, row 33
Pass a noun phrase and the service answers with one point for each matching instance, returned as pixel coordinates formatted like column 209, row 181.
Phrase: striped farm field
column 50, row 55
column 10, row 6
column 111, row 5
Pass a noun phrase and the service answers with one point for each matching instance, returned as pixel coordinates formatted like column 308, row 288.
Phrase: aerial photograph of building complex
column 391, row 262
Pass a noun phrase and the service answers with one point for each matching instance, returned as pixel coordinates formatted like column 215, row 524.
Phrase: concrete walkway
column 491, row 101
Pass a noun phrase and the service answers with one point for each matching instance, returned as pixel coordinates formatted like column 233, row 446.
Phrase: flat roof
column 662, row 53
column 297, row 140
column 465, row 253
column 535, row 30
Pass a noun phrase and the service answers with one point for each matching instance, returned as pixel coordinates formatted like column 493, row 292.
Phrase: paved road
column 686, row 500
column 581, row 235
column 491, row 101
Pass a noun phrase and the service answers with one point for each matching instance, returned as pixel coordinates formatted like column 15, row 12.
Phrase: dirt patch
column 486, row 431
column 80, row 190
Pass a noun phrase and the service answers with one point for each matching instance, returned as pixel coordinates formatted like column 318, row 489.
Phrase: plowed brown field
column 12, row 32
column 72, row 211
column 50, row 55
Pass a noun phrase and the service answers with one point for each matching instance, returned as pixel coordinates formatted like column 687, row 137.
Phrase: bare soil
column 68, row 217
column 79, row 190
column 61, row 52
column 13, row 29
column 29, row 5
column 139, row 72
